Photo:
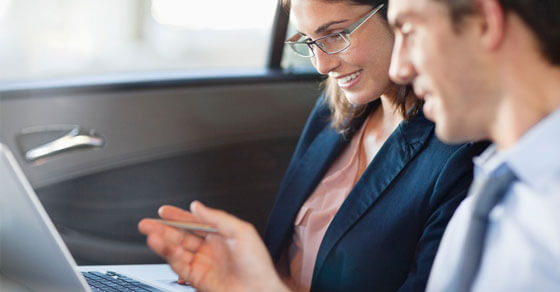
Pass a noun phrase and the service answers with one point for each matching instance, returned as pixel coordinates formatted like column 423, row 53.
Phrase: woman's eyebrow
column 325, row 26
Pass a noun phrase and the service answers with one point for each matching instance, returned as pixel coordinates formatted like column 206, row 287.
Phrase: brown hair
column 342, row 111
column 541, row 16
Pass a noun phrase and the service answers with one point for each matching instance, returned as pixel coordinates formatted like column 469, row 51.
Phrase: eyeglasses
column 330, row 44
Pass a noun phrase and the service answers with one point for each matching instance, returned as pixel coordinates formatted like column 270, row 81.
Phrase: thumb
column 227, row 224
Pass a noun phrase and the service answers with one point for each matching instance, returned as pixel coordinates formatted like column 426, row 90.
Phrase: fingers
column 165, row 248
column 181, row 281
column 178, row 258
column 172, row 213
column 169, row 235
column 227, row 224
column 147, row 226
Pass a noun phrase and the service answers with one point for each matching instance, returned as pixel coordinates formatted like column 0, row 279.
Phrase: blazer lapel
column 301, row 182
column 394, row 155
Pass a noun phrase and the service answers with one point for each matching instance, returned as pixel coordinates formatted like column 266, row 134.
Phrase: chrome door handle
column 72, row 140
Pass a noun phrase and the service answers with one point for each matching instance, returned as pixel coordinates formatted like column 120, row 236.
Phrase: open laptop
column 33, row 255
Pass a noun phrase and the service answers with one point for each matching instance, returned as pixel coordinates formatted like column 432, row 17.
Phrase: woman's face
column 361, row 71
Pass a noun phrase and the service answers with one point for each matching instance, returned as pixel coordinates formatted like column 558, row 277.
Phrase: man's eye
column 406, row 29
column 407, row 32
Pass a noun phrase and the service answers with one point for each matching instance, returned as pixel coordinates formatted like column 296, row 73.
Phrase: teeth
column 349, row 78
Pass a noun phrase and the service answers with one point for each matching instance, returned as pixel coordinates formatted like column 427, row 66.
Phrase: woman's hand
column 234, row 259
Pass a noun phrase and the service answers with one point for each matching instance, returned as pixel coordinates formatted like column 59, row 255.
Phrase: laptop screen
column 31, row 251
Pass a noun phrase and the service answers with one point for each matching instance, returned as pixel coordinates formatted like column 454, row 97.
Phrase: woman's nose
column 325, row 63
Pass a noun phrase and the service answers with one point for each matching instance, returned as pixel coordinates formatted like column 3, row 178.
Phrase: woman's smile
column 349, row 80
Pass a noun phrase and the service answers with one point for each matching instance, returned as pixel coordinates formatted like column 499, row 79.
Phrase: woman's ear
column 492, row 18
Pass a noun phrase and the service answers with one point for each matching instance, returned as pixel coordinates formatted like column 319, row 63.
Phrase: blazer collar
column 301, row 182
column 403, row 144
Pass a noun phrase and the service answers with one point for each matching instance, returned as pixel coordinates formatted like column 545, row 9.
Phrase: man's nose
column 325, row 63
column 401, row 71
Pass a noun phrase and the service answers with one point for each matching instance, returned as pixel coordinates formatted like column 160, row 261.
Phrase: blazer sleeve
column 317, row 120
column 449, row 190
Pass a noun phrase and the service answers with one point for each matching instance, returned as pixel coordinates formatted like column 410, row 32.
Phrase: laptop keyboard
column 115, row 282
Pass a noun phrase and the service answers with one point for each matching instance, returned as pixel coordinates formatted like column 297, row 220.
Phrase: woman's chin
column 358, row 99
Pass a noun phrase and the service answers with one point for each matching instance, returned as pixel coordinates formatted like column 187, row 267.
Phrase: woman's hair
column 342, row 111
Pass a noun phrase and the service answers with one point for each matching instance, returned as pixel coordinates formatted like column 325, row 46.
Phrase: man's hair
column 542, row 17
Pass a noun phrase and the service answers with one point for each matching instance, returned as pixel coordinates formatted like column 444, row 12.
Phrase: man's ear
column 493, row 23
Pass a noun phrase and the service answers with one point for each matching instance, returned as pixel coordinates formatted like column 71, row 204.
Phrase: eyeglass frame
column 345, row 34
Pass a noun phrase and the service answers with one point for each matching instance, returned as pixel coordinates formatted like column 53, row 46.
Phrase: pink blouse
column 317, row 212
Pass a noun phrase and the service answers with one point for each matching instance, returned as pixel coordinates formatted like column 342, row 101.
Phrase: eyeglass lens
column 329, row 44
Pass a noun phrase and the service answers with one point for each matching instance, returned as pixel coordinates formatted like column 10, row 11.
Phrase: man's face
column 443, row 65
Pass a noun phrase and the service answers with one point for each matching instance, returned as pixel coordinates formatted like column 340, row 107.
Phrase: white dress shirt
column 522, row 248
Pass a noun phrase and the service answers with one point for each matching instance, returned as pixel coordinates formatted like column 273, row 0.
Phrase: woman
column 369, row 190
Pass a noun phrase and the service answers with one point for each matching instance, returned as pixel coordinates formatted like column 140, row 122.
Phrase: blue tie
column 489, row 195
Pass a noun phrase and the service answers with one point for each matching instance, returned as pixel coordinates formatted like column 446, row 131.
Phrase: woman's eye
column 334, row 38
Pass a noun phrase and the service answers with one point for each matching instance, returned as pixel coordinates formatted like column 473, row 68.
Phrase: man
column 490, row 69
column 487, row 69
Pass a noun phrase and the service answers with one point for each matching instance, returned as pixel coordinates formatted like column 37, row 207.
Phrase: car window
column 51, row 38
column 290, row 60
column 115, row 107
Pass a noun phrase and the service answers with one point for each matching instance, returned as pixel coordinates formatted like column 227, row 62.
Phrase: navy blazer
column 386, row 233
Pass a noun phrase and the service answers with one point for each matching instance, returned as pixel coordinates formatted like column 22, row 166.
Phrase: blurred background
column 52, row 38
column 152, row 102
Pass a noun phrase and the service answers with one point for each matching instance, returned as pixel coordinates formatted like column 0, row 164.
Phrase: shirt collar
column 489, row 161
column 534, row 159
